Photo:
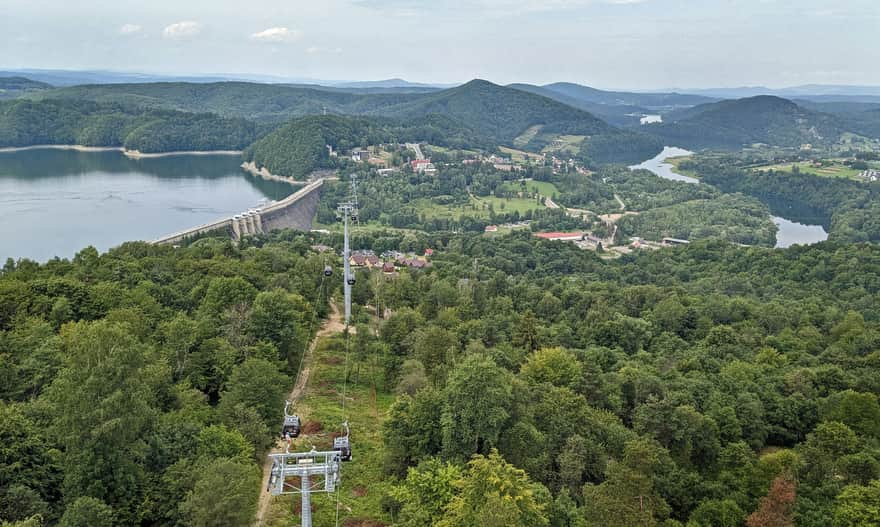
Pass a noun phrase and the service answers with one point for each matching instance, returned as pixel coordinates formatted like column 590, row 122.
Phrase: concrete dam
column 293, row 212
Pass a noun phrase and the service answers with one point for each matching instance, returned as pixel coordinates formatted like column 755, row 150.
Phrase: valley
column 266, row 299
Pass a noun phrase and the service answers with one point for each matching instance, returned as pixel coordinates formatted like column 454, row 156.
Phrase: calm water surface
column 791, row 230
column 54, row 202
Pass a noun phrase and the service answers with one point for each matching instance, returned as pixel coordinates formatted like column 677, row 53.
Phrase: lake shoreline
column 133, row 154
column 251, row 168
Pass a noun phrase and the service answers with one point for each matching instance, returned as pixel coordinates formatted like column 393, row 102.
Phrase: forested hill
column 762, row 119
column 300, row 146
column 261, row 102
column 25, row 123
column 493, row 111
column 500, row 113
column 16, row 86
column 648, row 100
column 618, row 114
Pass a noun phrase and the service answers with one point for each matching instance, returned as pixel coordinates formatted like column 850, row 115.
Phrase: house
column 420, row 165
column 429, row 252
column 561, row 236
column 491, row 228
column 675, row 241
column 416, row 263
column 386, row 171
column 869, row 175
column 388, row 268
column 360, row 154
column 322, row 248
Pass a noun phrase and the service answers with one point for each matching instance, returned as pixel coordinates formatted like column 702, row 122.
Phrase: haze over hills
column 388, row 83
column 826, row 92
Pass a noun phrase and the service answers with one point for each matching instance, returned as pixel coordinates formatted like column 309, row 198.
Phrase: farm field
column 519, row 156
column 569, row 144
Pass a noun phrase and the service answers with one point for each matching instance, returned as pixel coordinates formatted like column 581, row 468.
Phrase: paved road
column 417, row 149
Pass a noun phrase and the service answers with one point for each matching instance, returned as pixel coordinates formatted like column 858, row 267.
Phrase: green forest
column 27, row 123
column 536, row 384
column 850, row 210
column 232, row 115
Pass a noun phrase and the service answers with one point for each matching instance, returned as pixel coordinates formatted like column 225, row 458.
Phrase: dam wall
column 293, row 212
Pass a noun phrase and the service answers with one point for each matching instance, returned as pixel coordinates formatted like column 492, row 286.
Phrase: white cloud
column 130, row 29
column 181, row 30
column 276, row 34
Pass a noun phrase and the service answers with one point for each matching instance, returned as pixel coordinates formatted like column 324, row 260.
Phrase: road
column 417, row 149
column 331, row 325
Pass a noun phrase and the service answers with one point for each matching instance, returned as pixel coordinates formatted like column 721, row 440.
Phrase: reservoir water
column 791, row 232
column 55, row 202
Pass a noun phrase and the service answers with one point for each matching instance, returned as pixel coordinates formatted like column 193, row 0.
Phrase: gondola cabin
column 342, row 445
column 351, row 280
column 328, row 271
column 291, row 426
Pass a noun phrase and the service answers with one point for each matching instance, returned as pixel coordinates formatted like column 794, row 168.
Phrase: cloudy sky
column 634, row 44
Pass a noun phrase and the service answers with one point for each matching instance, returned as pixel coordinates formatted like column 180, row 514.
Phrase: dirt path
column 332, row 325
column 622, row 204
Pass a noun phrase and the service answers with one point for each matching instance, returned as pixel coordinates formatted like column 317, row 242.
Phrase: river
column 55, row 202
column 791, row 232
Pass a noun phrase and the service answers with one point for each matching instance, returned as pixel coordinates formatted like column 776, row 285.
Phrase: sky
column 622, row 44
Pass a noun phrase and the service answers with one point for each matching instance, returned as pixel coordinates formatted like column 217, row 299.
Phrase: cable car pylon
column 349, row 211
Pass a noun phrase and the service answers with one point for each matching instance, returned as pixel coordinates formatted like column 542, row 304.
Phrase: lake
column 791, row 231
column 55, row 202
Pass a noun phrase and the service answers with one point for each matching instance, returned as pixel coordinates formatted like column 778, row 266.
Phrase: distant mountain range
column 817, row 92
column 62, row 78
column 521, row 115
column 388, row 83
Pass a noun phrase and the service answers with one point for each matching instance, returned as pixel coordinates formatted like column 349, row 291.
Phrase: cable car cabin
column 328, row 271
column 342, row 445
column 351, row 280
column 291, row 426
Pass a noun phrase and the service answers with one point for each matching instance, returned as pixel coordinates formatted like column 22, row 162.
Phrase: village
column 389, row 263
column 388, row 159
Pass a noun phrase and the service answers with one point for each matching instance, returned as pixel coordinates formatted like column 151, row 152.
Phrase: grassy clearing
column 450, row 151
column 543, row 188
column 366, row 407
column 676, row 163
column 834, row 170
column 477, row 207
column 527, row 136
column 570, row 144
column 519, row 156
column 502, row 205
